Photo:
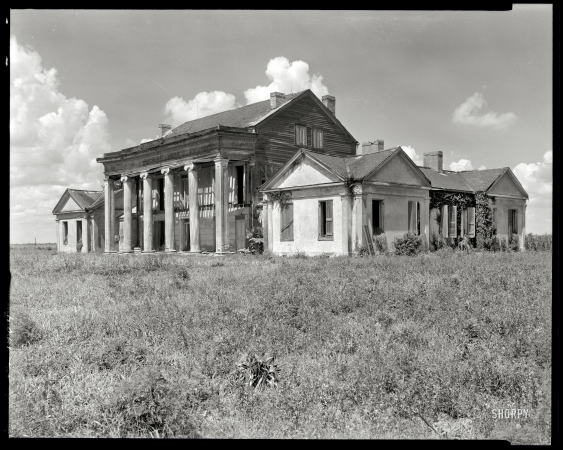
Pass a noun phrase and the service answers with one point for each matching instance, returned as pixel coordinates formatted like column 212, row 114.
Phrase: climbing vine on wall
column 282, row 197
column 483, row 221
column 462, row 200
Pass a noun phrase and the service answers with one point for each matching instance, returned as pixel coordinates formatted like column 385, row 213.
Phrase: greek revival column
column 357, row 214
column 193, row 207
column 127, row 183
column 168, row 209
column 523, row 234
column 147, row 213
column 425, row 222
column 221, row 205
column 346, row 231
column 109, row 209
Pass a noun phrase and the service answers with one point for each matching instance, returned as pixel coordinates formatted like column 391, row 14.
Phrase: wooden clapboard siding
column 276, row 138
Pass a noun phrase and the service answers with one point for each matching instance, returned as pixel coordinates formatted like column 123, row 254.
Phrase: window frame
column 65, row 232
column 78, row 235
column 314, row 142
column 324, row 220
column 304, row 127
column 239, row 184
column 161, row 194
column 416, row 229
column 381, row 223
column 288, row 209
column 512, row 222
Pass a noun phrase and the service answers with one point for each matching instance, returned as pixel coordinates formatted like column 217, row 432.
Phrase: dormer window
column 317, row 138
column 300, row 135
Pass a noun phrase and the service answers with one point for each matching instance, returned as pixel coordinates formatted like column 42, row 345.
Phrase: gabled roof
column 84, row 199
column 446, row 180
column 347, row 167
column 481, row 180
column 242, row 117
column 102, row 200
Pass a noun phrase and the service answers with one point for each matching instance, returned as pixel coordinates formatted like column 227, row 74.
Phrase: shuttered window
column 286, row 228
column 317, row 138
column 301, row 135
column 413, row 212
column 452, row 221
column 471, row 222
column 326, row 220
column 512, row 222
column 65, row 233
column 445, row 220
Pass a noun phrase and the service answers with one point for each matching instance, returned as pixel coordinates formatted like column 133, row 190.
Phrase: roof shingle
column 446, row 180
column 481, row 180
column 85, row 199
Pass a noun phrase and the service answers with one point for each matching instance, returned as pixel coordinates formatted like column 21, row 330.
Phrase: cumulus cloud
column 202, row 105
column 481, row 168
column 462, row 164
column 537, row 179
column 286, row 77
column 54, row 142
column 468, row 113
column 417, row 159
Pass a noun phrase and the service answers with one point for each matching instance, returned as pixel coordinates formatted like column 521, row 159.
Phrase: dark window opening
column 301, row 135
column 240, row 184
column 325, row 220
column 65, row 233
column 286, row 229
column 161, row 194
column 512, row 222
column 377, row 216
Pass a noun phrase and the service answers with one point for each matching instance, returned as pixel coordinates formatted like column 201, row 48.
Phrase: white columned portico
column 221, row 205
column 193, row 205
column 147, row 213
column 168, row 209
column 109, row 216
column 127, row 183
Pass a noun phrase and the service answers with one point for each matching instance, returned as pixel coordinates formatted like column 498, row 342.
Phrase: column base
column 194, row 251
column 126, row 251
column 170, row 250
column 148, row 251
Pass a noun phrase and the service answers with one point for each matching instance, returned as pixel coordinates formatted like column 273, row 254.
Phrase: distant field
column 387, row 347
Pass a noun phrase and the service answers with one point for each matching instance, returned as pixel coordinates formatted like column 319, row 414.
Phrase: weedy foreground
column 385, row 347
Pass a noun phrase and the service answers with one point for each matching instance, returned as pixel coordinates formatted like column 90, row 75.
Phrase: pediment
column 506, row 185
column 306, row 172
column 398, row 170
column 70, row 205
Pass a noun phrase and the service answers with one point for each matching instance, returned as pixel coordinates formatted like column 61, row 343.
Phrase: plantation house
column 286, row 164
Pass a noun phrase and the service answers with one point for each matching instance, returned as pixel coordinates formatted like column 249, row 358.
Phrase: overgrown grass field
column 385, row 347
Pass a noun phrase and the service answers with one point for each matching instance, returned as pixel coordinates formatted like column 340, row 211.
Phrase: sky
column 475, row 85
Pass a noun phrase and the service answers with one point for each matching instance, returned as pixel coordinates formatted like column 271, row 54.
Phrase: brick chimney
column 330, row 102
column 434, row 160
column 370, row 147
column 276, row 99
column 163, row 128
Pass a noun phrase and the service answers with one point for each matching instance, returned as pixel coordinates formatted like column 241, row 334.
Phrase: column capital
column 144, row 175
column 124, row 178
column 252, row 161
column 357, row 190
column 223, row 162
column 165, row 170
column 190, row 167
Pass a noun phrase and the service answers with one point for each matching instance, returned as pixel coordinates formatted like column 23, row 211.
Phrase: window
column 470, row 222
column 377, row 216
column 452, row 221
column 239, row 184
column 65, row 233
column 79, row 231
column 184, row 192
column 139, row 195
column 325, row 220
column 286, row 228
column 414, row 217
column 512, row 222
column 161, row 194
column 301, row 135
column 317, row 138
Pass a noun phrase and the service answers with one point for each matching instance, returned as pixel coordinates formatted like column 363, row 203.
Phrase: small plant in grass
column 363, row 250
column 381, row 242
column 24, row 331
column 410, row 244
column 257, row 372
column 438, row 241
column 504, row 245
column 300, row 254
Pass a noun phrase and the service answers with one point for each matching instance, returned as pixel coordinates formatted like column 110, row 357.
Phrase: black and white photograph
column 281, row 224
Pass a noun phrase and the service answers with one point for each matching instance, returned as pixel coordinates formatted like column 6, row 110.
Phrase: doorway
column 186, row 235
column 240, row 232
